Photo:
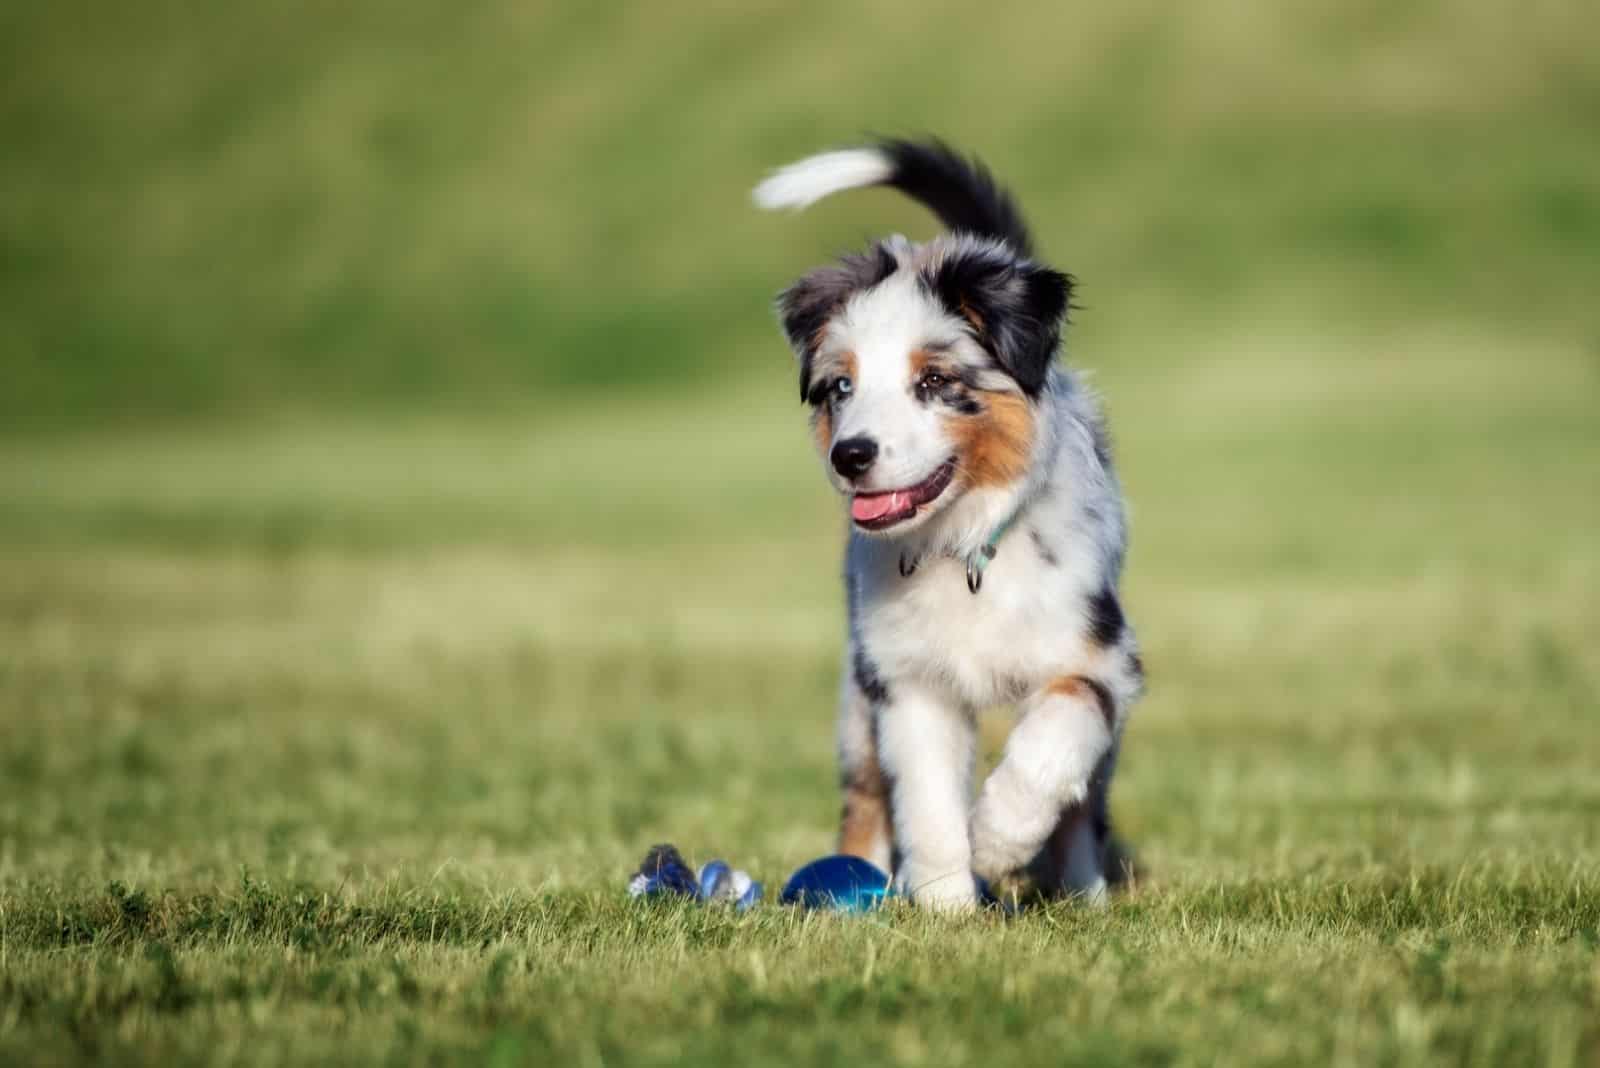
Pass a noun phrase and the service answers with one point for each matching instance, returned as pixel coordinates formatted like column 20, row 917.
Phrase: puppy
column 986, row 537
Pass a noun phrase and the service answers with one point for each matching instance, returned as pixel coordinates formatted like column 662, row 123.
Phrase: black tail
column 960, row 191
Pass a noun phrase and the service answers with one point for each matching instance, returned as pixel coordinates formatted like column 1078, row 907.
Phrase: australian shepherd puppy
column 986, row 537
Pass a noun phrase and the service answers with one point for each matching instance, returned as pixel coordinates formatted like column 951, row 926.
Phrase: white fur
column 802, row 184
column 927, row 751
column 1049, row 760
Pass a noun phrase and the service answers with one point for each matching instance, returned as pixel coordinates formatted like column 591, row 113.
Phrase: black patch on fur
column 1101, row 822
column 862, row 670
column 1105, row 618
column 867, row 678
column 953, row 394
column 1045, row 553
column 1015, row 307
column 959, row 393
column 806, row 306
column 1117, row 859
column 1102, row 696
column 960, row 191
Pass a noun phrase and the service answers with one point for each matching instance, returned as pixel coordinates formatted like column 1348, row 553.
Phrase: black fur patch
column 953, row 394
column 1101, row 821
column 1105, row 618
column 806, row 306
column 1015, row 307
column 1044, row 550
column 867, row 677
column 1102, row 696
column 960, row 191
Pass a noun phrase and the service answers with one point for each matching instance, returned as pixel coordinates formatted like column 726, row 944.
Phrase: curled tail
column 960, row 191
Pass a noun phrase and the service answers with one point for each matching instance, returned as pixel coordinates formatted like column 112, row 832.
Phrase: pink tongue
column 865, row 507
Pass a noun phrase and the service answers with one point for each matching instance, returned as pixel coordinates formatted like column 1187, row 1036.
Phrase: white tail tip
column 804, row 183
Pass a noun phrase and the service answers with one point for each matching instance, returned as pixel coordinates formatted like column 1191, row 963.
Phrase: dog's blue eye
column 842, row 386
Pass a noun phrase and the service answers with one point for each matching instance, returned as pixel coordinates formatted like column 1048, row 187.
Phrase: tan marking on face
column 1083, row 688
column 992, row 447
column 822, row 429
column 833, row 365
column 920, row 359
column 822, row 417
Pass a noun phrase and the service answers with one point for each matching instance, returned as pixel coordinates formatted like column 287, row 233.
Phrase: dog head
column 923, row 366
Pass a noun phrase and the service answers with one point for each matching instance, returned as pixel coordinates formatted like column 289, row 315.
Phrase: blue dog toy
column 840, row 882
column 663, row 873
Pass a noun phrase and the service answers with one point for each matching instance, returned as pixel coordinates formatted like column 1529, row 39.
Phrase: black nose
column 852, row 456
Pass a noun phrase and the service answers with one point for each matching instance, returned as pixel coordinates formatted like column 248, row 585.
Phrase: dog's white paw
column 998, row 858
column 939, row 890
column 1009, row 825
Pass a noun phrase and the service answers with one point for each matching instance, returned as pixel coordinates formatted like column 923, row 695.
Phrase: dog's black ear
column 1016, row 307
column 805, row 307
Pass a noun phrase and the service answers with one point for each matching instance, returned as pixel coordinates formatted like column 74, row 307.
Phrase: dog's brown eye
column 933, row 380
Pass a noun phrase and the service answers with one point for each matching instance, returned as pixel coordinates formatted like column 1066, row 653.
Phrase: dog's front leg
column 1049, row 761
column 926, row 745
column 864, row 826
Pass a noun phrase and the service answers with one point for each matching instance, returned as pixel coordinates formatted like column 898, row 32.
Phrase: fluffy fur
column 986, row 541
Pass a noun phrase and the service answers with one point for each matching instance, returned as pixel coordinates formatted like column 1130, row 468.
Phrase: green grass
column 405, row 521
column 337, row 740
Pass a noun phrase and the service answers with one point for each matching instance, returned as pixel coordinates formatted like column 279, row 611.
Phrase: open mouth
column 880, row 511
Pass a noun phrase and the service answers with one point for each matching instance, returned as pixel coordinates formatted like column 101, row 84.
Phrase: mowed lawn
column 336, row 740
column 406, row 520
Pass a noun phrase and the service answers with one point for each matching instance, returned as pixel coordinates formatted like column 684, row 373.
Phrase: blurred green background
column 403, row 503
column 214, row 209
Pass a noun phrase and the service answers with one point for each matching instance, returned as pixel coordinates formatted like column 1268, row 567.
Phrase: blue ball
column 713, row 878
column 840, row 882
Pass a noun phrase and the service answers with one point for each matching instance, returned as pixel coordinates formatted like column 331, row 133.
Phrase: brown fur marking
column 822, row 428
column 864, row 819
column 993, row 446
column 1084, row 688
column 921, row 358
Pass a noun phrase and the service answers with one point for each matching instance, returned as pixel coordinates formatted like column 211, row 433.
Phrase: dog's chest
column 1022, row 628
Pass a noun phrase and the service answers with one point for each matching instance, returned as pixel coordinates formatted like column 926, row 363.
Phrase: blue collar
column 987, row 551
column 978, row 560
